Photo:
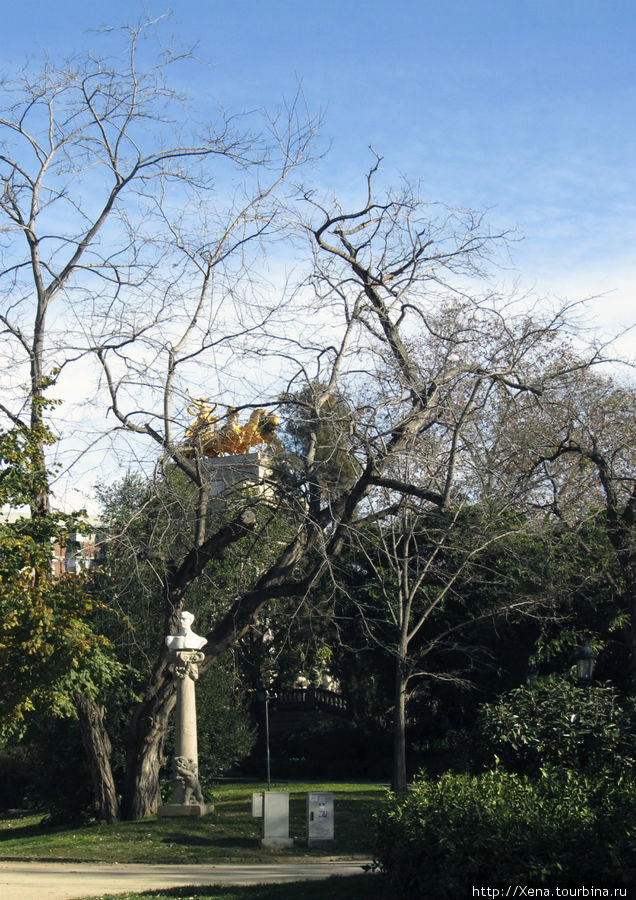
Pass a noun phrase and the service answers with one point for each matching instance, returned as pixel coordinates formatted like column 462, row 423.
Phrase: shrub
column 497, row 828
column 558, row 723
column 47, row 772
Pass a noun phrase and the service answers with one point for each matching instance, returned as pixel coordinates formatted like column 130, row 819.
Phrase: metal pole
column 269, row 781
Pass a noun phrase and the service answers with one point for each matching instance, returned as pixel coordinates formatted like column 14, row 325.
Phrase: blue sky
column 526, row 107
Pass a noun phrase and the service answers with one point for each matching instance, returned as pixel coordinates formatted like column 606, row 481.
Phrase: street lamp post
column 267, row 756
column 264, row 695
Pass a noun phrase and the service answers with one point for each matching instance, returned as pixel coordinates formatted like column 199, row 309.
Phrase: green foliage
column 150, row 528
column 502, row 828
column 129, row 582
column 226, row 733
column 558, row 722
column 582, row 571
column 48, row 648
column 321, row 426
column 328, row 748
column 22, row 474
column 50, row 745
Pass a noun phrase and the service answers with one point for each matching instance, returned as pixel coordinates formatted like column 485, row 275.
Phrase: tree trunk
column 144, row 753
column 398, row 780
column 98, row 749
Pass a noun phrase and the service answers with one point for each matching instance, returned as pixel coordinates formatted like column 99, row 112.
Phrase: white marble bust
column 185, row 639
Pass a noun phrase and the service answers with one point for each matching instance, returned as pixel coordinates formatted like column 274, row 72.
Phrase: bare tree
column 450, row 377
column 575, row 451
column 112, row 250
column 389, row 392
column 102, row 188
column 408, row 590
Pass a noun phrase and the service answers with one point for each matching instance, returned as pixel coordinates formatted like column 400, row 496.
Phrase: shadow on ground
column 360, row 887
column 193, row 840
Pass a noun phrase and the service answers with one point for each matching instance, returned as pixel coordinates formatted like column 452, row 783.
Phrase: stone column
column 186, row 668
column 187, row 799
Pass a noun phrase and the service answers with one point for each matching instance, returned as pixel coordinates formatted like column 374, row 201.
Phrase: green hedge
column 560, row 723
column 559, row 829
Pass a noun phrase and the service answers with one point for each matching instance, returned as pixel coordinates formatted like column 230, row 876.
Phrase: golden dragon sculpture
column 206, row 437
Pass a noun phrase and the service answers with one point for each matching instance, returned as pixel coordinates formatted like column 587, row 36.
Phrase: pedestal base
column 181, row 810
column 277, row 842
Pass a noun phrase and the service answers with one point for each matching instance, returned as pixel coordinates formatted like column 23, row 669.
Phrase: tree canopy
column 134, row 253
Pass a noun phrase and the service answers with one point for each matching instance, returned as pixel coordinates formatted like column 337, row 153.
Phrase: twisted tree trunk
column 144, row 746
column 97, row 747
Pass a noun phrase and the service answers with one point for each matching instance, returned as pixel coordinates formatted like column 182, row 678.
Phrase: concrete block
column 276, row 819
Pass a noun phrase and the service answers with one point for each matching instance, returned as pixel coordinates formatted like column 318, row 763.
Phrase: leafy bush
column 226, row 732
column 461, row 831
column 15, row 775
column 46, row 771
column 559, row 723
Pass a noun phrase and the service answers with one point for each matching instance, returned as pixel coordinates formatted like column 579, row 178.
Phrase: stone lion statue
column 184, row 774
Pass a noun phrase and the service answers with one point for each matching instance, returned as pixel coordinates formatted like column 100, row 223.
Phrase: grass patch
column 360, row 887
column 229, row 834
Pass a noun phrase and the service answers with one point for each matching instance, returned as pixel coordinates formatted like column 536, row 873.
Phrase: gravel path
column 67, row 881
